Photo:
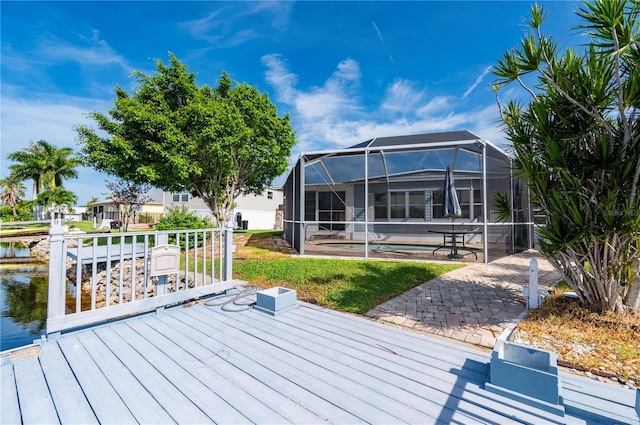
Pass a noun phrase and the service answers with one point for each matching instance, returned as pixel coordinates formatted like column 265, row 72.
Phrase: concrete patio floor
column 473, row 304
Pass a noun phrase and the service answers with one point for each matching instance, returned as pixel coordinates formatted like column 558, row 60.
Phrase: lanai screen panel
column 390, row 190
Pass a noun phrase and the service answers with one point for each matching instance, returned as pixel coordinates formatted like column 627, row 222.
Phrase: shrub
column 180, row 218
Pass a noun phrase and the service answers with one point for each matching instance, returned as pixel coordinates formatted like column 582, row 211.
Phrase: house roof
column 423, row 156
column 419, row 139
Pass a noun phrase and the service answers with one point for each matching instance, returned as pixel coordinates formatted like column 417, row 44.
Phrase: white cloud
column 220, row 27
column 336, row 97
column 52, row 119
column 92, row 51
column 278, row 75
column 437, row 106
column 330, row 115
column 402, row 96
column 478, row 81
column 377, row 31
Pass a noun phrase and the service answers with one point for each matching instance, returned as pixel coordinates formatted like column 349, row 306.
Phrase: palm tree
column 29, row 165
column 12, row 191
column 60, row 164
column 45, row 164
column 59, row 196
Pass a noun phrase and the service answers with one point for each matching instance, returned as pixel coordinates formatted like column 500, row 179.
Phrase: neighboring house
column 252, row 212
column 262, row 212
column 391, row 189
column 78, row 214
column 151, row 210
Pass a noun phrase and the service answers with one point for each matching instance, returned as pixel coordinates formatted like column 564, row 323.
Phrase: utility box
column 165, row 259
column 527, row 374
column 276, row 300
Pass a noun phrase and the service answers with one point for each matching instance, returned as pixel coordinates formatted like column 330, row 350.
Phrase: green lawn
column 355, row 286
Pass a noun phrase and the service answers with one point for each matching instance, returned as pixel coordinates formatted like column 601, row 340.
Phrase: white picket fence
column 94, row 278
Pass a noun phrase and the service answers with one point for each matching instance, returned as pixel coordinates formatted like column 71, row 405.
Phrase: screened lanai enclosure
column 387, row 197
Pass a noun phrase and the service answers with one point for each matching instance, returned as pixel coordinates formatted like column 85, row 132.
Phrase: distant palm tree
column 58, row 195
column 45, row 164
column 61, row 164
column 12, row 191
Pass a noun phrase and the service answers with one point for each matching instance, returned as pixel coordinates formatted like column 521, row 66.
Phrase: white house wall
column 259, row 211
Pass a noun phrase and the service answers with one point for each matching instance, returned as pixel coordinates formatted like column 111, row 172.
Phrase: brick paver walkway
column 473, row 304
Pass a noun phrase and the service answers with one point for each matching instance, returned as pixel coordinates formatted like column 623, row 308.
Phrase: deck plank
column 10, row 412
column 598, row 400
column 138, row 400
column 448, row 387
column 413, row 395
column 70, row 402
column 201, row 373
column 351, row 367
column 434, row 358
column 259, row 366
column 357, row 399
column 285, row 366
column 128, row 347
column 104, row 399
column 36, row 404
column 310, row 365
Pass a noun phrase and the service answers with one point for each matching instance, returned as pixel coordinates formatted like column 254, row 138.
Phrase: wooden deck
column 200, row 364
column 88, row 253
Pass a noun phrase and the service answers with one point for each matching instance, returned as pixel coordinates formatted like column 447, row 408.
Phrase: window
column 184, row 195
column 397, row 203
column 465, row 203
column 416, row 204
column 331, row 207
column 310, row 206
column 269, row 194
column 380, row 206
column 400, row 205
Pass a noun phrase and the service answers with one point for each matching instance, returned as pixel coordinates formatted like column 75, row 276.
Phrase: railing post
column 228, row 251
column 533, row 283
column 57, row 269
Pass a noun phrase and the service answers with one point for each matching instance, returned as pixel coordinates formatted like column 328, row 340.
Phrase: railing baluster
column 185, row 270
column 186, row 261
column 204, row 257
column 107, row 285
column 79, row 267
column 121, row 270
column 134, row 274
column 146, row 266
column 219, row 255
column 195, row 259
column 94, row 272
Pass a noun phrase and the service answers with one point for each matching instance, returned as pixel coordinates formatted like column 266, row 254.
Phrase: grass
column 355, row 286
column 603, row 344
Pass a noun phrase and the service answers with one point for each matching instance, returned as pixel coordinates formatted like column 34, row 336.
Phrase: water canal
column 23, row 296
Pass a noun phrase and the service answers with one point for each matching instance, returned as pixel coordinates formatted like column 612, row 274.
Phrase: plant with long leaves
column 577, row 144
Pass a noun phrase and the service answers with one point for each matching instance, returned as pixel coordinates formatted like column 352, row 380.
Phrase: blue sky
column 345, row 71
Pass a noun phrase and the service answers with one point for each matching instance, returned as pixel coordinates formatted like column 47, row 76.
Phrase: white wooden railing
column 98, row 277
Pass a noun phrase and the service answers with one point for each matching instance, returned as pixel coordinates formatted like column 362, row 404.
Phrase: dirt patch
column 601, row 345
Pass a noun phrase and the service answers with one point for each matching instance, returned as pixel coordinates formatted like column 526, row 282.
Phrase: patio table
column 452, row 237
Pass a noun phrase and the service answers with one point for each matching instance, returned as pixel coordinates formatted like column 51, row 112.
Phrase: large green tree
column 215, row 142
column 577, row 143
